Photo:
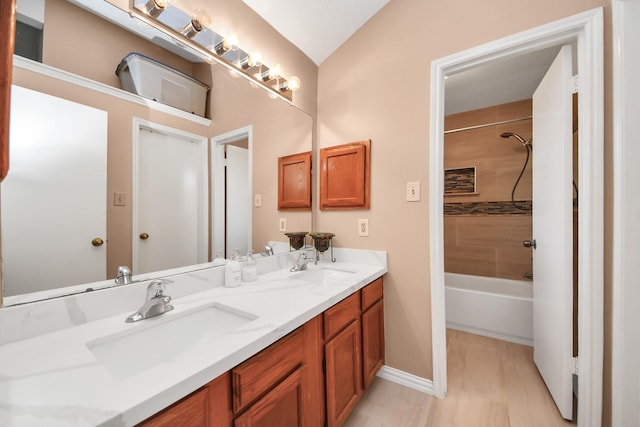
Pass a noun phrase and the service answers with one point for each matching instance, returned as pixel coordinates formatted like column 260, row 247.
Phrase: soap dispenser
column 232, row 271
column 249, row 268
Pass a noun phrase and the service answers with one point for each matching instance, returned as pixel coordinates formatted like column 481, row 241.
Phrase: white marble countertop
column 54, row 379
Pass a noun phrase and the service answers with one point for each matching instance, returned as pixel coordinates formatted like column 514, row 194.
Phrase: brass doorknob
column 97, row 242
column 144, row 236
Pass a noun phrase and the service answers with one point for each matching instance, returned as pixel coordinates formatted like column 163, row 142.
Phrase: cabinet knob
column 529, row 243
column 144, row 236
column 97, row 242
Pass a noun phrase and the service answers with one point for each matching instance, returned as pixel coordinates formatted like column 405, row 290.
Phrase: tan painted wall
column 376, row 85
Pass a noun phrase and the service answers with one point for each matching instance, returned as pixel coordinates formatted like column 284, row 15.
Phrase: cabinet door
column 282, row 407
column 189, row 412
column 372, row 342
column 343, row 374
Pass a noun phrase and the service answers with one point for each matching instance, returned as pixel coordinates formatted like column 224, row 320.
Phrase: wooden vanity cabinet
column 312, row 377
column 372, row 331
column 209, row 406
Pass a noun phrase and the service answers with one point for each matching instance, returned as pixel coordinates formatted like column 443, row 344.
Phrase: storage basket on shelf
column 152, row 79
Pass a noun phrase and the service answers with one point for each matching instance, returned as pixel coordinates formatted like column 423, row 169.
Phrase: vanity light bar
column 224, row 51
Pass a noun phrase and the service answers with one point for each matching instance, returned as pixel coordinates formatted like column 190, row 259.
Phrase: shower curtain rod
column 504, row 122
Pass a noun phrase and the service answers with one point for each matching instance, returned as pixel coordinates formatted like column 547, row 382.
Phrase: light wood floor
column 491, row 383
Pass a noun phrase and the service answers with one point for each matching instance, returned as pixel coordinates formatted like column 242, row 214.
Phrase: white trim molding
column 406, row 379
column 218, row 210
column 65, row 76
column 625, row 377
column 585, row 29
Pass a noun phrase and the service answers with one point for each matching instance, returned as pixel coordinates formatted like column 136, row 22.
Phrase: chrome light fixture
column 193, row 30
column 155, row 7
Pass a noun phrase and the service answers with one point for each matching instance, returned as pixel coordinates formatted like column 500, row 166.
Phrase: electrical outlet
column 363, row 227
column 257, row 201
column 283, row 224
column 413, row 191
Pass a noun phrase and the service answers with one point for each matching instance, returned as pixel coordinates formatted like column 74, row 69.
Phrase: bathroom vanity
column 299, row 348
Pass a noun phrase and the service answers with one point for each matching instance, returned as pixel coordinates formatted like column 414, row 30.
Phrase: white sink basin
column 161, row 339
column 322, row 276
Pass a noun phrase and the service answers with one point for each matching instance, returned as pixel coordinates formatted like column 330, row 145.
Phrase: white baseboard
column 406, row 379
column 490, row 334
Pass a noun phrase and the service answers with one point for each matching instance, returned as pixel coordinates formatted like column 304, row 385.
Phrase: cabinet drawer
column 371, row 293
column 341, row 314
column 282, row 407
column 190, row 411
column 257, row 375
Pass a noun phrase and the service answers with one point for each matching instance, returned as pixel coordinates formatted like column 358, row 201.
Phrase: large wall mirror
column 78, row 41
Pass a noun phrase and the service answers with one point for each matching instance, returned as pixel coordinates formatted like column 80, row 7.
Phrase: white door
column 54, row 197
column 238, row 203
column 553, row 231
column 170, row 201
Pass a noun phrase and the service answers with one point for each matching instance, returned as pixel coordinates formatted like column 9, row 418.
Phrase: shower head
column 518, row 137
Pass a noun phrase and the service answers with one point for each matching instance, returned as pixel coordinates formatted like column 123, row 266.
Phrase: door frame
column 218, row 184
column 587, row 29
column 203, row 223
column 625, row 390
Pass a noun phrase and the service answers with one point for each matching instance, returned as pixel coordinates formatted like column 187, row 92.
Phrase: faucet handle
column 156, row 288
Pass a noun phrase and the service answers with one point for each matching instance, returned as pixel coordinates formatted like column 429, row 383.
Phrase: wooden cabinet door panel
column 341, row 314
column 371, row 293
column 294, row 182
column 189, row 412
column 343, row 374
column 255, row 376
column 344, row 176
column 284, row 406
column 372, row 342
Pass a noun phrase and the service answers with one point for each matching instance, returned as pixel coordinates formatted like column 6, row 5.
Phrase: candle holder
column 296, row 239
column 322, row 242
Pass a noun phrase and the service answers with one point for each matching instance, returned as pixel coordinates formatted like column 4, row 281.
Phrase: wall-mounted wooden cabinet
column 294, row 182
column 344, row 176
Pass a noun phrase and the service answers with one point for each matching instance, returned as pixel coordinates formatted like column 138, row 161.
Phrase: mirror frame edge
column 7, row 21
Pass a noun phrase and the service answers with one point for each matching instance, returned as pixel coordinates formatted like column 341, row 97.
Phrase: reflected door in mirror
column 54, row 199
column 170, row 200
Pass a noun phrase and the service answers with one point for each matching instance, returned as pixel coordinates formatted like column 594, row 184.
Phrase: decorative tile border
column 460, row 180
column 520, row 207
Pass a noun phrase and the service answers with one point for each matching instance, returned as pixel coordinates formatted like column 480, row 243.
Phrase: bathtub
column 497, row 308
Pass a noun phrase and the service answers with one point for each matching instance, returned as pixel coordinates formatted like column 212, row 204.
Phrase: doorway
column 586, row 31
column 232, row 189
column 170, row 198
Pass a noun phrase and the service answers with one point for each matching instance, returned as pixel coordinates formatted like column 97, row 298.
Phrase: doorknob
column 97, row 242
column 529, row 243
column 144, row 236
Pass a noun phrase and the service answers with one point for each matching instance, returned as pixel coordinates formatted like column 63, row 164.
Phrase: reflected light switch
column 119, row 199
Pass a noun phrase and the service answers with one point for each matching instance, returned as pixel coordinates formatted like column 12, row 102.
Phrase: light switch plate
column 413, row 191
column 363, row 227
column 119, row 199
column 283, row 224
column 257, row 201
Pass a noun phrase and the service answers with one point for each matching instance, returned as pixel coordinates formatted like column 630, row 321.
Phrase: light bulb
column 293, row 83
column 275, row 71
column 203, row 17
column 154, row 8
column 256, row 57
column 232, row 40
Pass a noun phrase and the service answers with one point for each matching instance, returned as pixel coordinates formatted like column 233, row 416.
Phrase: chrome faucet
column 303, row 260
column 155, row 304
column 123, row 276
column 268, row 250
